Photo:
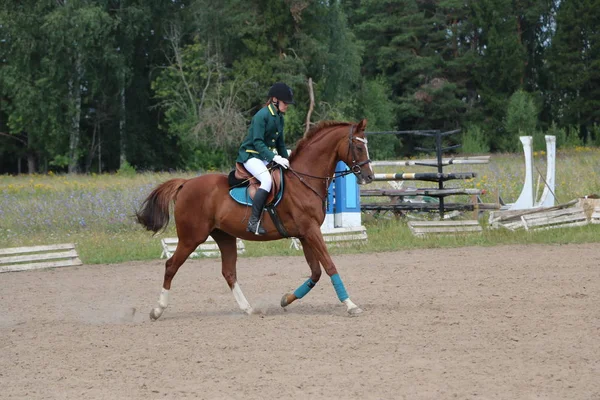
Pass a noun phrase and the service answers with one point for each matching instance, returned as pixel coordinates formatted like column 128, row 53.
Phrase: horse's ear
column 362, row 125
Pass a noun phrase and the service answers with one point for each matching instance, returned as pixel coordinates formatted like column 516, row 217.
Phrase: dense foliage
column 107, row 85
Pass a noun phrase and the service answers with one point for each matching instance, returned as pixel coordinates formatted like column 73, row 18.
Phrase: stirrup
column 256, row 228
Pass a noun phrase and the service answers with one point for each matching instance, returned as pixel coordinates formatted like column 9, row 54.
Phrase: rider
column 264, row 136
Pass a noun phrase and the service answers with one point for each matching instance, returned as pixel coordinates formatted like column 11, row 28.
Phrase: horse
column 204, row 207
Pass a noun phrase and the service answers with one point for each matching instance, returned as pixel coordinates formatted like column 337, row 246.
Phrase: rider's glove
column 281, row 161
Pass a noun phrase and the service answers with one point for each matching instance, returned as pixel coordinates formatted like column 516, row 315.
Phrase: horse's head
column 356, row 154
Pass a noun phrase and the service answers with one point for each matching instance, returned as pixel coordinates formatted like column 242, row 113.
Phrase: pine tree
column 574, row 63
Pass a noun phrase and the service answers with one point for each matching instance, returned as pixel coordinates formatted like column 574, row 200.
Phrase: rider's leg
column 259, row 170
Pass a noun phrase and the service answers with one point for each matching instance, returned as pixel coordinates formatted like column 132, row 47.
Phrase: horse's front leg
column 315, row 275
column 314, row 239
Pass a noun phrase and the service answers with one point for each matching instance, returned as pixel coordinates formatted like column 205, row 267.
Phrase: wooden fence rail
column 38, row 257
column 206, row 249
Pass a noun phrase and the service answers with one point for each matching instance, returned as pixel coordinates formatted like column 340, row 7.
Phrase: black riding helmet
column 283, row 92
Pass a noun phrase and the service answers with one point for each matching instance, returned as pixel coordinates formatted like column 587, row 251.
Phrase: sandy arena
column 510, row 322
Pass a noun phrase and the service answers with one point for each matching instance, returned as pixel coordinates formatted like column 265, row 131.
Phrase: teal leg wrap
column 338, row 285
column 304, row 288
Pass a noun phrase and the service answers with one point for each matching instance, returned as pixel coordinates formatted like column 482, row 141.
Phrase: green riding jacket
column 265, row 133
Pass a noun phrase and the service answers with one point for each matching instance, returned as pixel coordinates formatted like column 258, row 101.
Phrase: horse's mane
column 302, row 143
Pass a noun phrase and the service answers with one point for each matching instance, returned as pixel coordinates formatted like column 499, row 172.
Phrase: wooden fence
column 206, row 249
column 38, row 257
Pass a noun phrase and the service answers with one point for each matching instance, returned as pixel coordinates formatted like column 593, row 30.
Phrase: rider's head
column 281, row 95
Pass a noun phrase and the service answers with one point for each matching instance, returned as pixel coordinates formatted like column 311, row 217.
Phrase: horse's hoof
column 354, row 312
column 284, row 300
column 155, row 314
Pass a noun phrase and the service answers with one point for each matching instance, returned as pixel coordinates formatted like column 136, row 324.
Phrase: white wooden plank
column 33, row 249
column 447, row 230
column 553, row 221
column 570, row 225
column 423, row 228
column 513, row 226
column 555, row 213
column 339, row 236
column 345, row 238
column 208, row 254
column 344, row 230
column 544, row 220
column 174, row 241
column 205, row 249
column 443, row 223
column 41, row 265
column 207, row 246
column 38, row 257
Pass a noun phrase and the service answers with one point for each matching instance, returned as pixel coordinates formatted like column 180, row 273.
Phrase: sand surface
column 509, row 322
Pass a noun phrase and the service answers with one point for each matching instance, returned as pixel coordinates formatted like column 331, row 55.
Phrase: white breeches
column 258, row 168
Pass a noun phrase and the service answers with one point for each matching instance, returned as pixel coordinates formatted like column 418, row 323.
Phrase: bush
column 594, row 133
column 521, row 120
column 474, row 141
column 126, row 169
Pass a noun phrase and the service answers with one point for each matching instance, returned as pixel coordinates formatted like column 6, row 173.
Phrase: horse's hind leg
column 315, row 275
column 228, row 246
column 182, row 252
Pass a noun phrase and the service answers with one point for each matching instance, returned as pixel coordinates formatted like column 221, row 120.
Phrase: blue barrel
column 347, row 199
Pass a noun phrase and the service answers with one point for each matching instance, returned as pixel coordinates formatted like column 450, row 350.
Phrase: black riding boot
column 258, row 203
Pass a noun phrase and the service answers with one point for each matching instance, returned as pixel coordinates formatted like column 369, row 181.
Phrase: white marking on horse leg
column 241, row 299
column 352, row 308
column 163, row 302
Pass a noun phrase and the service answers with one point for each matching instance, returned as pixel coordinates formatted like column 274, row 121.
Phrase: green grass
column 95, row 212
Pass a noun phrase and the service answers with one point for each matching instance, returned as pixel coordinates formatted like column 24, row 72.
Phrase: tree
column 200, row 104
column 521, row 120
column 574, row 62
column 29, row 101
column 418, row 47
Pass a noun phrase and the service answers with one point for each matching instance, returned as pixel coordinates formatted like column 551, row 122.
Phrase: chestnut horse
column 204, row 207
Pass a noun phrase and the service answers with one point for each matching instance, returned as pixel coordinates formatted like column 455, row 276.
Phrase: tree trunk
column 122, row 134
column 75, row 97
column 30, row 163
column 30, row 156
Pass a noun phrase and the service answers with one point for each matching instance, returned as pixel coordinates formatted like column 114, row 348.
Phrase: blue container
column 347, row 199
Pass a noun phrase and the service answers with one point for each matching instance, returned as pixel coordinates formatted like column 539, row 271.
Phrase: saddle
column 243, row 185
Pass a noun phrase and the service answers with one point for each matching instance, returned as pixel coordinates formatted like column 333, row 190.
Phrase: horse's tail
column 154, row 213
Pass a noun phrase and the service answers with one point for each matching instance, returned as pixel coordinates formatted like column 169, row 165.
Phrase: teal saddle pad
column 240, row 194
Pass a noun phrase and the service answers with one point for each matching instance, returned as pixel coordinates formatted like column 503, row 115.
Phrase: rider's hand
column 281, row 161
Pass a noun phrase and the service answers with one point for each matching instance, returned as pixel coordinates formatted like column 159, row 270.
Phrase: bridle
column 354, row 169
column 356, row 166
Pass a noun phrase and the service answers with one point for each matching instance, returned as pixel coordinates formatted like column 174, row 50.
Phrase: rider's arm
column 258, row 135
column 280, row 145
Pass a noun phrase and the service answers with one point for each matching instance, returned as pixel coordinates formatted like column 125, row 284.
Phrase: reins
column 355, row 169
